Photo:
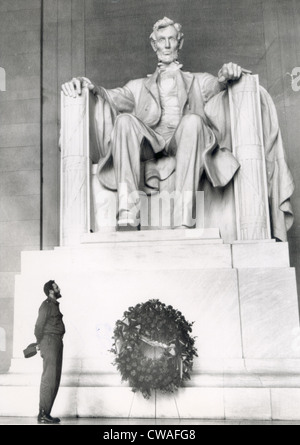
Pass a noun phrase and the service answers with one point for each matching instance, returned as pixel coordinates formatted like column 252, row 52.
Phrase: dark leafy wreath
column 153, row 347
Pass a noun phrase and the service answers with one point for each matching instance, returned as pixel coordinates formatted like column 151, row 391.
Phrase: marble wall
column 20, row 126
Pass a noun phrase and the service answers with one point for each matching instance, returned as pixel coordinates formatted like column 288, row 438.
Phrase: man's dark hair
column 48, row 287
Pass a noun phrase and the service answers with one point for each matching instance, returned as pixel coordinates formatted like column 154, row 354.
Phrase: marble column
column 250, row 184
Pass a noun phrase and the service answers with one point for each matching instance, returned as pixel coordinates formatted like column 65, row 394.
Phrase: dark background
column 45, row 43
column 117, row 34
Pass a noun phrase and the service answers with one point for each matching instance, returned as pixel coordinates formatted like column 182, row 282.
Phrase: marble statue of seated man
column 161, row 121
column 160, row 116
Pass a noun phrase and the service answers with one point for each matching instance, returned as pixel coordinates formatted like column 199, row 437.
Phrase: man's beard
column 57, row 295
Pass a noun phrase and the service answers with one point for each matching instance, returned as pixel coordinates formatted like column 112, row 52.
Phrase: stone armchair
column 85, row 205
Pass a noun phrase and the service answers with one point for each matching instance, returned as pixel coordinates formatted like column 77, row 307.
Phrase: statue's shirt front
column 171, row 113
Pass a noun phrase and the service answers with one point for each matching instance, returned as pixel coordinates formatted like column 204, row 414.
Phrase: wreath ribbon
column 171, row 348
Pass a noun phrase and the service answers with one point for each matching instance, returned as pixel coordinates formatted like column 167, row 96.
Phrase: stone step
column 263, row 369
column 252, row 403
column 144, row 236
column 154, row 253
column 243, row 379
column 198, row 381
column 121, row 256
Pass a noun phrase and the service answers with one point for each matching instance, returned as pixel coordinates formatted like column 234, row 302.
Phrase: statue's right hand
column 75, row 86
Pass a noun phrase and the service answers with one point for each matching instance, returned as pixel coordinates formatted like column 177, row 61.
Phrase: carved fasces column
column 250, row 183
column 76, row 160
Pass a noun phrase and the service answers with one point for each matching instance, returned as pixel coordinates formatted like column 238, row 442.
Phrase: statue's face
column 166, row 44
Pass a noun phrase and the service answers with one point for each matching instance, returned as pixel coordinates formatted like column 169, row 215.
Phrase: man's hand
column 75, row 86
column 231, row 71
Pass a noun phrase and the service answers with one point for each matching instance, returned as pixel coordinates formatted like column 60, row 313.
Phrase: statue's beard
column 167, row 58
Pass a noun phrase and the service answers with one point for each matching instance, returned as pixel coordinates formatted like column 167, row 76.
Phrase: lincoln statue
column 165, row 122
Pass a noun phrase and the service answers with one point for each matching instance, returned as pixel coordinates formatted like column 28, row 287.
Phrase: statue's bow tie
column 169, row 69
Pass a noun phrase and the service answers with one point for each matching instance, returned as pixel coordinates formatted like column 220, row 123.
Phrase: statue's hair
column 164, row 23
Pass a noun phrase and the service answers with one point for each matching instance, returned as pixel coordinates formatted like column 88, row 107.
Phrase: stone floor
column 112, row 422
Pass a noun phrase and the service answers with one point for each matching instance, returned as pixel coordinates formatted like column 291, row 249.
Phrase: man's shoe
column 46, row 418
column 55, row 419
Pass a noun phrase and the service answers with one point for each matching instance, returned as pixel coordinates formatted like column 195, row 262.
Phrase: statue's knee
column 124, row 122
column 192, row 122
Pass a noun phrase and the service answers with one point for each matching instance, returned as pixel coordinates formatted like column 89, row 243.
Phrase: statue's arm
column 212, row 85
column 121, row 99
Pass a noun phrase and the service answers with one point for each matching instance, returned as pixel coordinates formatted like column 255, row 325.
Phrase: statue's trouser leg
column 188, row 144
column 128, row 151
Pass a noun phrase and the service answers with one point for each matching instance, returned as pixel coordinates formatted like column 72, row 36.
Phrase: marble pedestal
column 242, row 298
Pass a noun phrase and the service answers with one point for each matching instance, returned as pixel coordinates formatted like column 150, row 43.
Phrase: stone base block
column 245, row 318
column 286, row 403
column 209, row 298
column 269, row 313
column 247, row 403
column 268, row 254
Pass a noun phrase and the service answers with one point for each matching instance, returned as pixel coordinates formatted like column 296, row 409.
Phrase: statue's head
column 166, row 40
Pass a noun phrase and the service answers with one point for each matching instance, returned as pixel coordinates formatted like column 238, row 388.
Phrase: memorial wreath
column 154, row 348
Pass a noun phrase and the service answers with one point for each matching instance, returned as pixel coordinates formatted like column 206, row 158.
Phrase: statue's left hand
column 231, row 71
column 75, row 86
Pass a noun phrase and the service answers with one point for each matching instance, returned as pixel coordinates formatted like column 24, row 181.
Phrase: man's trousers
column 51, row 348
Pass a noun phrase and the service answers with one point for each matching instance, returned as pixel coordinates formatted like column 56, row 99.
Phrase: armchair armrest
column 250, row 182
column 78, row 152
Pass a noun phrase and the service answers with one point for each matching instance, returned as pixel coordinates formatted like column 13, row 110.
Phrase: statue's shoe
column 127, row 225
